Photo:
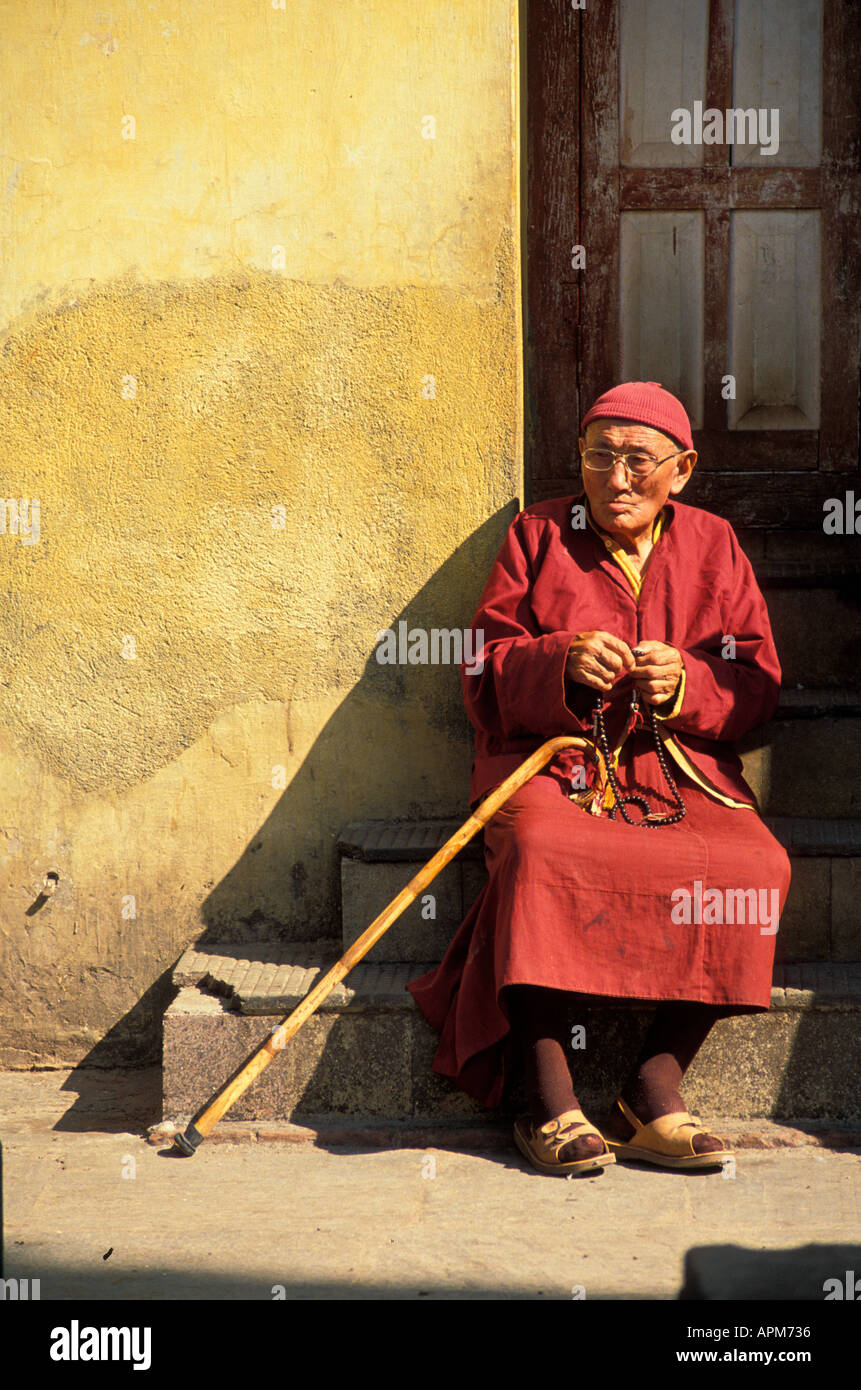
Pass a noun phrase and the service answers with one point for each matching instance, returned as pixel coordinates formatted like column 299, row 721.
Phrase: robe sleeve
column 724, row 697
column 521, row 690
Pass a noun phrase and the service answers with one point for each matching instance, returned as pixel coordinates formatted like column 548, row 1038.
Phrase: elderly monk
column 638, row 868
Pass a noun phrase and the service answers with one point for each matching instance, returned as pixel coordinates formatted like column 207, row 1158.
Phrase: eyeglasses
column 638, row 465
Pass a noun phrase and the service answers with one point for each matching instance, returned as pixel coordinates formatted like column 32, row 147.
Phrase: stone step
column 293, row 968
column 813, row 702
column 817, row 571
column 817, row 632
column 820, row 921
column 806, row 765
column 793, row 559
column 807, row 760
column 368, row 1051
column 811, row 586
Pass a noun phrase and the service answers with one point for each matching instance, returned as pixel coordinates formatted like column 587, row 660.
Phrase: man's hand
column 657, row 671
column 597, row 658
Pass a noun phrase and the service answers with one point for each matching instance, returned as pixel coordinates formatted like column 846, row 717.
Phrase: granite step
column 378, row 859
column 807, row 760
column 292, row 969
column 814, row 604
column 368, row 1051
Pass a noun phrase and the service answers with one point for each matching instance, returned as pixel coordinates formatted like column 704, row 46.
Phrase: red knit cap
column 646, row 403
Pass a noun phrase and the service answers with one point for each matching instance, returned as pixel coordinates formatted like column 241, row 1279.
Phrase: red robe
column 578, row 901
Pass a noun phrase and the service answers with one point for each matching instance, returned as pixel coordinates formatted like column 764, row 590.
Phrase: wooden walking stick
column 206, row 1119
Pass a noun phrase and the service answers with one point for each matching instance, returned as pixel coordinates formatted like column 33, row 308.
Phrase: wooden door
column 727, row 269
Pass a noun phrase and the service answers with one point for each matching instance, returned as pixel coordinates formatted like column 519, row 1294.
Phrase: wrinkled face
column 623, row 504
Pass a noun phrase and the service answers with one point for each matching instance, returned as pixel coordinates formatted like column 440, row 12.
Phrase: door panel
column 728, row 274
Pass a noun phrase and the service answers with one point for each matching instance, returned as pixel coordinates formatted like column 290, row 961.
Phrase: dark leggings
column 541, row 1025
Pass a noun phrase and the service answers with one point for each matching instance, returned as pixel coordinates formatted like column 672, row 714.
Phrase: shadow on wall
column 371, row 759
column 264, row 896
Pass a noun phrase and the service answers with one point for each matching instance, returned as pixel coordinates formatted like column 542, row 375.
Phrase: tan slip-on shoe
column 667, row 1141
column 541, row 1144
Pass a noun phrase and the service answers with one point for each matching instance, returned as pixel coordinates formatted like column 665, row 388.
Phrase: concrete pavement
column 94, row 1211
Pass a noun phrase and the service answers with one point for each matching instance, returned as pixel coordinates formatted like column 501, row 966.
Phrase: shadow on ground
column 810, row 1273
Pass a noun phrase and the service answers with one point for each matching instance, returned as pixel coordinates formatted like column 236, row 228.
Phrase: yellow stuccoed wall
column 216, row 340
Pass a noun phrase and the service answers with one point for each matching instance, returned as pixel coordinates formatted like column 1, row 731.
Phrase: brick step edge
column 811, row 702
column 415, row 842
column 492, row 1136
column 240, row 985
column 806, row 574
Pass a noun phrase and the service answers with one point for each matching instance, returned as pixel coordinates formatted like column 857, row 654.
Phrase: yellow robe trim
column 599, row 802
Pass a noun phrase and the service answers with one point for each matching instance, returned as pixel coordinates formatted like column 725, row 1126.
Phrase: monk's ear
column 685, row 465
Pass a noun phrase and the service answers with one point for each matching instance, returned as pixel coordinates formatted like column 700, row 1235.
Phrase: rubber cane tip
column 186, row 1144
